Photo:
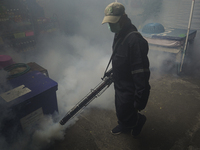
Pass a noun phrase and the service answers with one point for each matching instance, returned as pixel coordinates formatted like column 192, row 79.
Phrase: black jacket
column 130, row 66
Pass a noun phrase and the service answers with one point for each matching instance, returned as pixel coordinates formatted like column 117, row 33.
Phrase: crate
column 32, row 96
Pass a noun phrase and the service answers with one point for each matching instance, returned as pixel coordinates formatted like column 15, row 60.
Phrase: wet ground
column 173, row 120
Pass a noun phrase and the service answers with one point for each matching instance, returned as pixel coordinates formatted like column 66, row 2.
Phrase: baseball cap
column 113, row 12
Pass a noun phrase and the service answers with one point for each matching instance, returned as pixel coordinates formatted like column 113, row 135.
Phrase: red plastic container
column 5, row 60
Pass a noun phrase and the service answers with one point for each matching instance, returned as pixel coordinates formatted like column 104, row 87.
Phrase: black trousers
column 126, row 113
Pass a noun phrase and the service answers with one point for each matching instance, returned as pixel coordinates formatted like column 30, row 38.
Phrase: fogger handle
column 108, row 73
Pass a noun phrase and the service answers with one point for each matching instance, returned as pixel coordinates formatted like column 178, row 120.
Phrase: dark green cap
column 113, row 13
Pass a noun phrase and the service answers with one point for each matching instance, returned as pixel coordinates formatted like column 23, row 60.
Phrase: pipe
column 188, row 31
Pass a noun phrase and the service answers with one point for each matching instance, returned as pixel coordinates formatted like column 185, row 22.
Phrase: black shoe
column 119, row 129
column 138, row 128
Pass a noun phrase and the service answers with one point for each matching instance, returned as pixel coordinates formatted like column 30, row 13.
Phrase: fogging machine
column 96, row 92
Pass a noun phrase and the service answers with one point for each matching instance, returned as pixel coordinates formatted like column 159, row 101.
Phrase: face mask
column 114, row 27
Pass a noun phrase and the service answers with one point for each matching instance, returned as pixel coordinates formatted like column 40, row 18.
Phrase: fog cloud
column 77, row 55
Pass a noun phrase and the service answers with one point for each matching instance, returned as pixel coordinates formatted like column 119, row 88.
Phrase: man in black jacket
column 130, row 67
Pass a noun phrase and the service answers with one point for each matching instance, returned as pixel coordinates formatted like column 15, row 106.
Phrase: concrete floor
column 173, row 121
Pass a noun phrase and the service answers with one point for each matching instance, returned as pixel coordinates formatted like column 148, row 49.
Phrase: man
column 130, row 67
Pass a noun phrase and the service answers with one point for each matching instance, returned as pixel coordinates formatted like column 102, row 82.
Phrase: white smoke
column 48, row 132
column 77, row 70
column 77, row 57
